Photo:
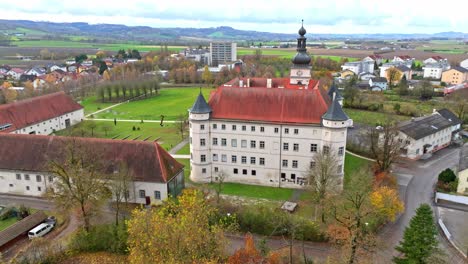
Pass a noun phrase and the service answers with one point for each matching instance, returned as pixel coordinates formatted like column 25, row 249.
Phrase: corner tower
column 300, row 71
column 200, row 155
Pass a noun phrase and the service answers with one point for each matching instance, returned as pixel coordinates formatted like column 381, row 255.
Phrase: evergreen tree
column 419, row 239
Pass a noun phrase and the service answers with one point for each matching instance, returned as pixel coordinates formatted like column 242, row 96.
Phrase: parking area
column 457, row 224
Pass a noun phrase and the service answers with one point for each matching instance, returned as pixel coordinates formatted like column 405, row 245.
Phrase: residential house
column 37, row 71
column 347, row 74
column 375, row 58
column 154, row 174
column 15, row 73
column 434, row 59
column 358, row 66
column 199, row 55
column 404, row 59
column 40, row 115
column 26, row 77
column 365, row 76
column 425, row 135
column 58, row 67
column 453, row 119
column 455, row 75
column 464, row 64
column 434, row 70
column 404, row 71
column 378, row 84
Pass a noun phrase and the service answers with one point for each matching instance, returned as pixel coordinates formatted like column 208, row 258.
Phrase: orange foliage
column 250, row 254
column 385, row 179
column 386, row 200
column 338, row 234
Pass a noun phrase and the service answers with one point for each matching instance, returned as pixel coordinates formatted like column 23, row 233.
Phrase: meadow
column 285, row 53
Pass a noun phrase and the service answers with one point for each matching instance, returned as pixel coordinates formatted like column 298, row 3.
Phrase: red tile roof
column 146, row 161
column 404, row 57
column 17, row 70
column 269, row 105
column 437, row 58
column 375, row 56
column 35, row 110
column 276, row 82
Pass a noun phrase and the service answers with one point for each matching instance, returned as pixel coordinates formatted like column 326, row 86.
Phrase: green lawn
column 255, row 191
column 184, row 150
column 369, row 117
column 284, row 53
column 7, row 222
column 186, row 163
column 92, row 104
column 167, row 136
column 171, row 102
column 352, row 164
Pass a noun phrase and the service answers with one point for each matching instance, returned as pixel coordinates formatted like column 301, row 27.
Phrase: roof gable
column 146, row 161
column 35, row 110
column 424, row 126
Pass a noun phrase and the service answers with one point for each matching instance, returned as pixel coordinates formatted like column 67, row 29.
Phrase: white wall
column 273, row 153
column 438, row 140
column 47, row 127
column 432, row 72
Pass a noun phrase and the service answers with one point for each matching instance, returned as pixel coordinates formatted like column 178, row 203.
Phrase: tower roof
column 335, row 112
column 200, row 106
column 333, row 90
column 301, row 58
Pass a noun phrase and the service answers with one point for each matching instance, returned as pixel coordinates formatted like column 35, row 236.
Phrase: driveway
column 418, row 191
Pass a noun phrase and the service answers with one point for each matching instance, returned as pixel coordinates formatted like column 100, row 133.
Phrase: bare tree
column 106, row 128
column 323, row 177
column 181, row 125
column 78, row 180
column 120, row 188
column 220, row 178
column 385, row 144
column 92, row 125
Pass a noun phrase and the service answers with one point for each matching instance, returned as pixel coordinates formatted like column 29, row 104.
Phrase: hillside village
column 205, row 141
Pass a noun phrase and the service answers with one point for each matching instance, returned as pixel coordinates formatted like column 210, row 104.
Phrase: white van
column 40, row 230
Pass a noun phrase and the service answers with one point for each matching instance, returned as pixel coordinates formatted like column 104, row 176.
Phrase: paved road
column 419, row 190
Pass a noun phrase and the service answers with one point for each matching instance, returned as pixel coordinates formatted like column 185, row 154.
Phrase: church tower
column 300, row 71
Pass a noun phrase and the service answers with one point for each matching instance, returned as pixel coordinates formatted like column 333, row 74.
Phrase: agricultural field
column 285, row 53
column 444, row 46
column 167, row 136
column 171, row 102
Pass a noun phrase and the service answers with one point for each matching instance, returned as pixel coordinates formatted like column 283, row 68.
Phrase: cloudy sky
column 320, row 16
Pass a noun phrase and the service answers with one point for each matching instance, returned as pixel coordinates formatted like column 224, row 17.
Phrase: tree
column 78, row 180
column 419, row 238
column 45, row 54
column 250, row 254
column 92, row 125
column 181, row 124
column 80, row 58
column 393, row 75
column 387, row 202
column 207, row 76
column 177, row 232
column 10, row 94
column 447, row 176
column 106, row 129
column 120, row 189
column 220, row 178
column 322, row 177
column 101, row 54
column 385, row 144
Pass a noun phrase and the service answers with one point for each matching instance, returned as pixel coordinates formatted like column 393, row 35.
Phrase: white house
column 434, row 59
column 453, row 119
column 40, row 115
column 38, row 71
column 424, row 135
column 58, row 67
column 365, row 76
column 358, row 66
column 24, row 159
column 374, row 58
column 378, row 84
column 434, row 70
column 403, row 59
column 464, row 64
column 15, row 73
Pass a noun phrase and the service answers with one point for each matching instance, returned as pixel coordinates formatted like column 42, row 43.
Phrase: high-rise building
column 222, row 52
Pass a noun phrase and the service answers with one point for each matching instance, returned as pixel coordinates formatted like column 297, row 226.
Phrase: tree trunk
column 85, row 217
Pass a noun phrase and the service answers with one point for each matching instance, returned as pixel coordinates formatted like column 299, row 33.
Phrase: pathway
column 359, row 156
column 179, row 146
column 133, row 120
column 176, row 156
column 107, row 108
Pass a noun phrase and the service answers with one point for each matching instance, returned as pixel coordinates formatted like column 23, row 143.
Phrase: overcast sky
column 320, row 16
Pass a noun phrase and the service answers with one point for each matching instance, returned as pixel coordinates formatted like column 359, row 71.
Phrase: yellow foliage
column 387, row 202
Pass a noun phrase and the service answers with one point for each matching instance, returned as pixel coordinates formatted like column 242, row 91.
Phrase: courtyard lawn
column 185, row 150
column 255, row 191
column 369, row 117
column 186, row 163
column 166, row 136
column 353, row 164
column 7, row 222
column 92, row 104
column 171, row 102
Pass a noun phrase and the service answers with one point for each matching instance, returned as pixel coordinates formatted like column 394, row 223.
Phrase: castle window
column 203, row 158
column 234, row 143
column 223, row 127
column 286, row 130
column 262, row 129
column 203, row 170
column 294, row 163
column 254, row 172
column 341, row 151
column 253, row 144
column 234, row 159
column 234, row 127
column 244, row 172
column 276, row 130
column 326, row 149
column 262, row 144
column 223, row 142
column 286, row 146
column 244, row 128
column 235, row 171
column 224, row 158
column 285, row 163
column 243, row 143
column 296, row 147
column 202, row 127
column 261, row 161
column 252, row 128
column 244, row 160
column 215, row 141
column 215, row 126
column 202, row 142
column 215, row 157
column 252, row 160
column 18, row 176
column 296, row 131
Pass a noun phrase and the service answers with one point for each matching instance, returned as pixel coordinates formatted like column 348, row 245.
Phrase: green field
column 166, row 136
column 92, row 104
column 353, row 164
column 7, row 222
column 283, row 53
column 256, row 191
column 171, row 102
column 87, row 45
column 371, row 118
column 184, row 150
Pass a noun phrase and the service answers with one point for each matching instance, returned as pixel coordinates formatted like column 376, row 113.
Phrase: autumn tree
column 387, row 202
column 101, row 54
column 79, row 180
column 91, row 125
column 385, row 144
column 106, row 128
column 10, row 94
column 181, row 125
column 393, row 75
column 419, row 238
column 250, row 254
column 323, row 177
column 120, row 189
column 177, row 232
column 220, row 178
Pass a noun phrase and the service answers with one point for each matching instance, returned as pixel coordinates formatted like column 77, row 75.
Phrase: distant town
column 223, row 150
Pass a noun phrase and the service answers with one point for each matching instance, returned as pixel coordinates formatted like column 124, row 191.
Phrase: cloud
column 359, row 16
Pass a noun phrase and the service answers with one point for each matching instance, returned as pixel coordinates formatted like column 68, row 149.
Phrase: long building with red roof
column 24, row 161
column 40, row 115
column 267, row 131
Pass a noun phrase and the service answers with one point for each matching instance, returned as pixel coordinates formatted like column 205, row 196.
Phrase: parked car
column 40, row 230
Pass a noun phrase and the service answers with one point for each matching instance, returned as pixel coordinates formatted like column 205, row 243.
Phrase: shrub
column 447, row 176
column 133, row 128
column 8, row 213
column 110, row 238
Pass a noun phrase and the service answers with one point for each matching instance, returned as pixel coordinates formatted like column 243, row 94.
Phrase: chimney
column 434, row 110
column 241, row 83
column 268, row 83
column 248, row 82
